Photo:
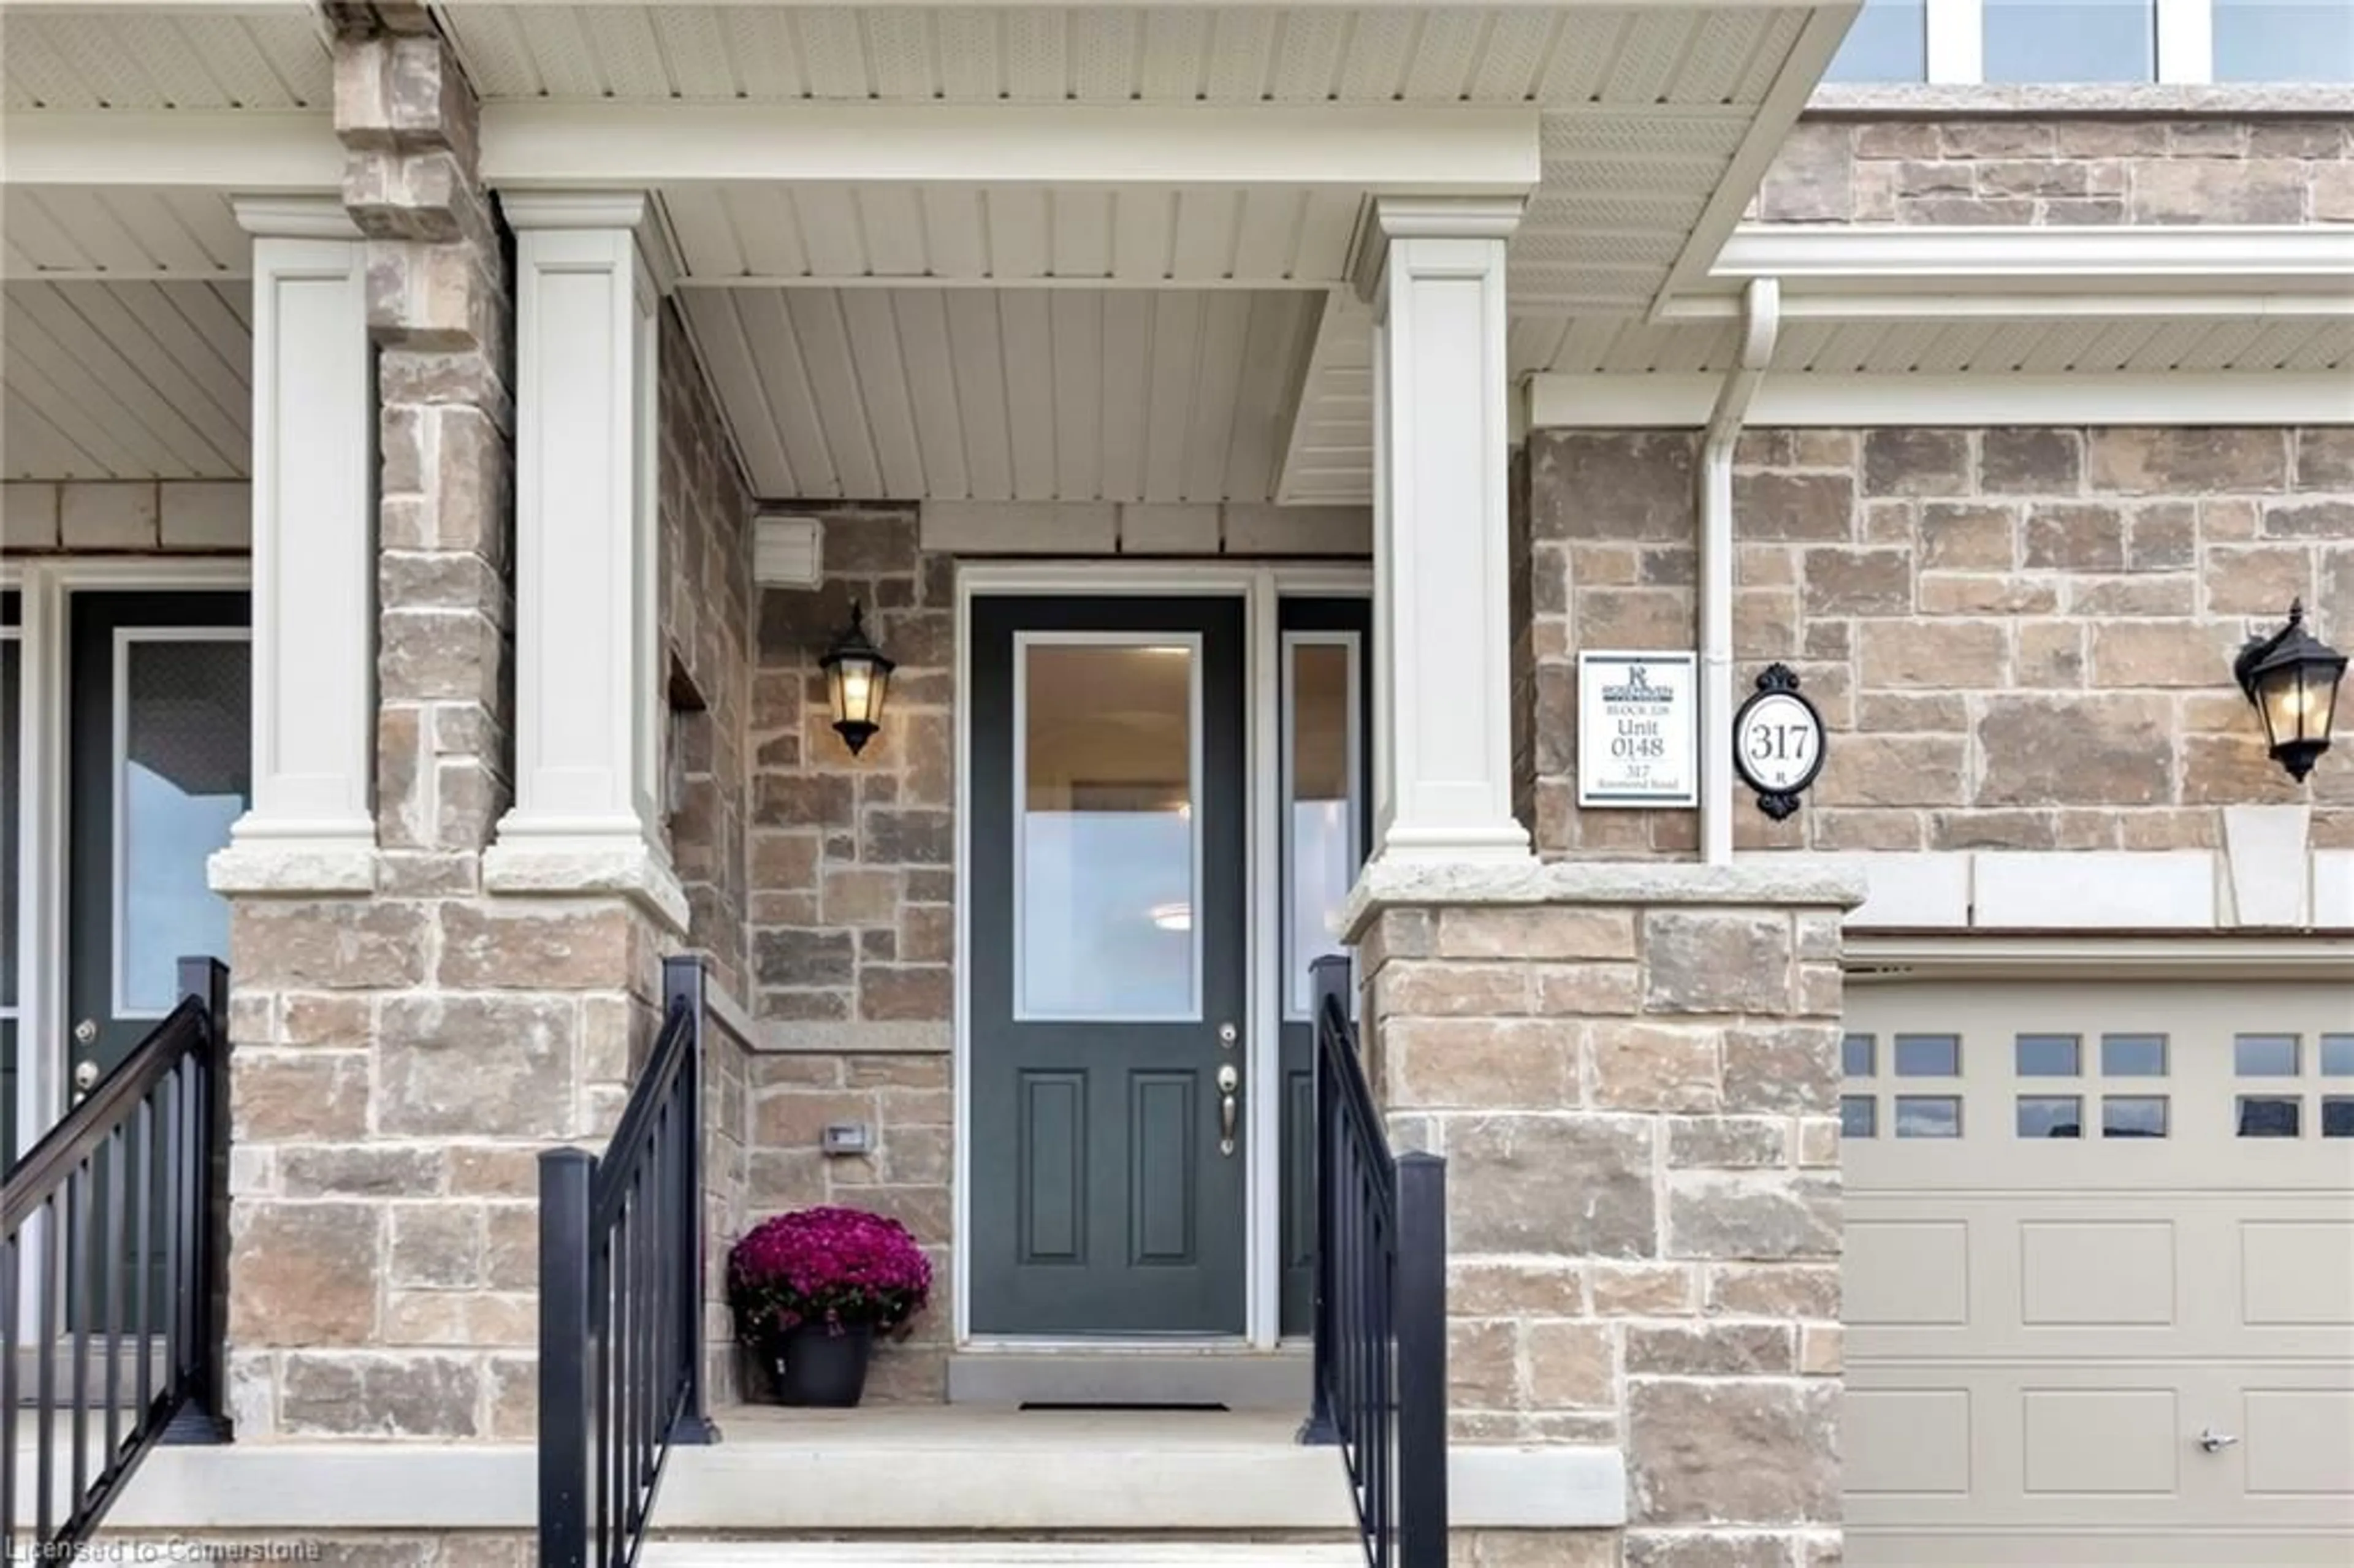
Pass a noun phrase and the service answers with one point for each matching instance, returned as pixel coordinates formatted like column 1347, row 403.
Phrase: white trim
column 1287, row 704
column 2223, row 257
column 1262, row 1042
column 1873, row 958
column 118, row 761
column 236, row 149
column 1955, row 41
column 1453, row 147
column 1196, row 795
column 2186, row 41
column 1580, row 401
column 1256, row 585
column 1871, row 305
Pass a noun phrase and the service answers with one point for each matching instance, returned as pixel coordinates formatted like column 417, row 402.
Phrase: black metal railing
column 1380, row 1387
column 113, row 1254
column 621, row 1302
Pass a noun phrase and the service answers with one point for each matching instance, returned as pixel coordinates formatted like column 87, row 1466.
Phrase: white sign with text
column 1638, row 729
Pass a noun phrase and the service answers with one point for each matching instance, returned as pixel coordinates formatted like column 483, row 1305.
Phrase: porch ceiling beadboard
column 145, row 380
column 949, row 394
column 264, row 55
column 178, row 231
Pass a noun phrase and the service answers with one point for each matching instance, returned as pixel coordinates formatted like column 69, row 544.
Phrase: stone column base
column 1633, row 1072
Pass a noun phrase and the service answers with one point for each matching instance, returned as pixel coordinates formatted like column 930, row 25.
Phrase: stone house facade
column 578, row 725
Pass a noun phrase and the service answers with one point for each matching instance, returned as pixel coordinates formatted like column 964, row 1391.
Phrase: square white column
column 587, row 813
column 1433, row 271
column 312, row 827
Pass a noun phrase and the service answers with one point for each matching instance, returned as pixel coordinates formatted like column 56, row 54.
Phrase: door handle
column 2215, row 1442
column 1228, row 1081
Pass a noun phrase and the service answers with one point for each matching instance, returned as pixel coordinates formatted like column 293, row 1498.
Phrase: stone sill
column 1761, row 881
column 766, row 1486
column 1903, row 100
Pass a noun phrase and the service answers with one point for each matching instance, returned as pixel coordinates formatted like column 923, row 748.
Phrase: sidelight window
column 1321, row 812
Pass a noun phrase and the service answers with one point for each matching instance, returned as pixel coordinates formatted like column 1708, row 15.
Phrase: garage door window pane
column 1858, row 1117
column 1889, row 42
column 2265, row 1056
column 2133, row 1055
column 1857, row 1053
column 2133, row 1116
column 2051, row 1116
column 1928, row 1115
column 2050, row 1056
column 2270, row 1115
column 1928, row 1055
column 2338, row 1056
column 2337, row 1115
column 2284, row 40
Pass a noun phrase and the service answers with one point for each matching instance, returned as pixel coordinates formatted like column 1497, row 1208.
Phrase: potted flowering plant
column 811, row 1289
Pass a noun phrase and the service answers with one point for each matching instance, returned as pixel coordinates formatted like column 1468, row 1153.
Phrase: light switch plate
column 847, row 1138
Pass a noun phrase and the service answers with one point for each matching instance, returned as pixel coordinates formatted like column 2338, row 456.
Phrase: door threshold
column 1231, row 1377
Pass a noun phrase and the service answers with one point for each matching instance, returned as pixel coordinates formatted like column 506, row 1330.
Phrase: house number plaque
column 1638, row 730
column 1777, row 741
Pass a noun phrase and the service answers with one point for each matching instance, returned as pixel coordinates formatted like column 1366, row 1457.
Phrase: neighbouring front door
column 160, row 763
column 1108, row 947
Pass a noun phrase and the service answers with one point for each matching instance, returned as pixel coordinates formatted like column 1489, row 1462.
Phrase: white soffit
column 122, row 232
column 970, row 233
column 1071, row 395
column 1802, row 399
column 252, row 55
column 125, row 380
column 1329, row 459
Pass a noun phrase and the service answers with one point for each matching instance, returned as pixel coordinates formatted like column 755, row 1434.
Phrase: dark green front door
column 1109, row 936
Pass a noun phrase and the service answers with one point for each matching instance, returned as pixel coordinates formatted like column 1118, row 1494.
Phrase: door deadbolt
column 86, row 1032
column 1226, row 1035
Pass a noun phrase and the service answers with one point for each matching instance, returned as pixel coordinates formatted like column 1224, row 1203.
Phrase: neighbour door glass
column 12, row 792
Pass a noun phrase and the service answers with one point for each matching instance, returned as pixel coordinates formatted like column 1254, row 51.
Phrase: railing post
column 565, row 1175
column 1328, row 989
column 205, row 1419
column 683, row 981
column 1420, row 1320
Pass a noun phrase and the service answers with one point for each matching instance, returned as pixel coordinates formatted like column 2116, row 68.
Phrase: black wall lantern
column 856, row 676
column 2292, row 678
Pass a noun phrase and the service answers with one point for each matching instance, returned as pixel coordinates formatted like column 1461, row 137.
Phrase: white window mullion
column 1956, row 41
column 2186, row 41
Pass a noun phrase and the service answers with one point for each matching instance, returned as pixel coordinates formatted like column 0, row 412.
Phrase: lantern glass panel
column 858, row 691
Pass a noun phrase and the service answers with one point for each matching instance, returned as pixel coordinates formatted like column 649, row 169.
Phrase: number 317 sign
column 1778, row 742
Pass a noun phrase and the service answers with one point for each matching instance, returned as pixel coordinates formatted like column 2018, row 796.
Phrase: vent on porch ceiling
column 785, row 552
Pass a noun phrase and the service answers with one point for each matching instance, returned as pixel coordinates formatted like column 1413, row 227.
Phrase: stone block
column 389, row 1393
column 1571, row 1363
column 1949, row 655
column 2145, row 653
column 1869, row 769
column 1775, row 1289
column 1859, row 582
column 2260, row 580
column 1647, row 1066
column 2177, row 459
column 1505, row 931
column 1732, row 1453
column 1572, row 1186
column 1967, row 536
column 303, row 1274
column 477, row 1065
column 1711, row 1348
column 2200, row 191
column 1903, row 460
column 1752, row 1216
column 889, row 992
column 1712, row 1549
column 1643, row 1289
column 2074, row 536
column 1715, row 961
column 1480, row 1063
column 1588, row 990
column 1727, row 1143
column 1483, row 1363
column 2112, row 749
column 357, row 1170
column 436, row 1247
column 1519, row 1288
column 1781, row 1068
column 1587, row 484
column 1450, row 989
column 277, row 1097
column 108, row 516
column 1817, row 508
column 501, row 945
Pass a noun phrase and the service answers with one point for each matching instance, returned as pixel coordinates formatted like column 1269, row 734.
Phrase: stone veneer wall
column 2061, row 171
column 853, row 912
column 2021, row 639
column 1634, row 1081
column 402, row 1058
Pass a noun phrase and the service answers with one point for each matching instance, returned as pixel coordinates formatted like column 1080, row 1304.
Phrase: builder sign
column 1638, row 729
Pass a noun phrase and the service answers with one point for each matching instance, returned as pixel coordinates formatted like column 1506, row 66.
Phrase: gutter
column 1761, row 324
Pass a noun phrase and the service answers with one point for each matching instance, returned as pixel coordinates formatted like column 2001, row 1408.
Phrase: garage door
column 2100, row 1274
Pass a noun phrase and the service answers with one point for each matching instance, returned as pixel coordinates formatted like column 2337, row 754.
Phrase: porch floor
column 989, row 1427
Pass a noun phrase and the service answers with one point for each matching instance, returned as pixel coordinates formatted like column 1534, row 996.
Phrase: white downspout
column 1761, row 324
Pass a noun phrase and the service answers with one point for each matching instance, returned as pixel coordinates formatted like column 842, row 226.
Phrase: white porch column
column 586, row 817
column 1433, row 271
column 312, row 827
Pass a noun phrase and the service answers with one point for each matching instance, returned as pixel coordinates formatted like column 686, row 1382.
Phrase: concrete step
column 981, row 1552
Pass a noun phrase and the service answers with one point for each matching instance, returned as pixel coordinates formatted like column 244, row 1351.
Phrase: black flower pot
column 810, row 1365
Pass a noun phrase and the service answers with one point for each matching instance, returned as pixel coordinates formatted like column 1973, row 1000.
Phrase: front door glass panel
column 1110, row 852
column 182, row 776
column 12, row 790
column 1320, row 800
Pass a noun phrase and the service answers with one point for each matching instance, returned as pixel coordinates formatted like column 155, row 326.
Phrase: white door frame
column 44, row 660
column 1261, row 588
